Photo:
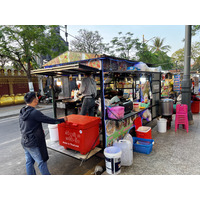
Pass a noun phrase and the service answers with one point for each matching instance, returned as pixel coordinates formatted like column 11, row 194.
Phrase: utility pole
column 66, row 35
column 186, row 83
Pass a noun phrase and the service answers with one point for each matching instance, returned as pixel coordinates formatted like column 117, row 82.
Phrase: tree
column 3, row 61
column 158, row 45
column 88, row 42
column 144, row 54
column 163, row 60
column 158, row 58
column 178, row 58
column 22, row 44
column 195, row 29
column 195, row 51
column 123, row 45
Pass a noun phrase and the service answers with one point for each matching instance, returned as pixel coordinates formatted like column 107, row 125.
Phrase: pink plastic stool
column 181, row 116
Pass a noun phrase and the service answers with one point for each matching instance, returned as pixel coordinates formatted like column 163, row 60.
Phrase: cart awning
column 76, row 68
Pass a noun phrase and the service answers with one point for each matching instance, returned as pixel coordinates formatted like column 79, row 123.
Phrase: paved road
column 12, row 159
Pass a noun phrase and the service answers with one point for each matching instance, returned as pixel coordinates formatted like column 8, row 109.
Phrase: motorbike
column 46, row 98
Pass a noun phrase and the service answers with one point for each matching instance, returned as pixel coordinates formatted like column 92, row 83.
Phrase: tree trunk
column 29, row 72
column 30, row 84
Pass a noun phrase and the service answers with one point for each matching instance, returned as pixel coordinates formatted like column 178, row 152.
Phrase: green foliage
column 144, row 54
column 123, row 45
column 178, row 56
column 22, row 44
column 158, row 45
column 178, row 59
column 195, row 29
column 163, row 60
column 158, row 58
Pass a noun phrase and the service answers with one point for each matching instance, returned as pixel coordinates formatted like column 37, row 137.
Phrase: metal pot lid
column 167, row 100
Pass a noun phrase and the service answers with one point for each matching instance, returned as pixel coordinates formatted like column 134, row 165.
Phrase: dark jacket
column 30, row 122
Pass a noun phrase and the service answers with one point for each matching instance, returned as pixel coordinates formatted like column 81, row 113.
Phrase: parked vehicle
column 46, row 98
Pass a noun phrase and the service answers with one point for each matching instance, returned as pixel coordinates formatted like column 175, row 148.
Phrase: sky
column 173, row 34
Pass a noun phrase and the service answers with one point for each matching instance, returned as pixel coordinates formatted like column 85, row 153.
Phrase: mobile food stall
column 141, row 86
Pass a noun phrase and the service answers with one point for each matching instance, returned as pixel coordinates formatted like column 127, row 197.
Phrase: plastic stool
column 181, row 116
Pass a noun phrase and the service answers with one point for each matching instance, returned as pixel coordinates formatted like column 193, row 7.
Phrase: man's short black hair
column 120, row 93
column 29, row 96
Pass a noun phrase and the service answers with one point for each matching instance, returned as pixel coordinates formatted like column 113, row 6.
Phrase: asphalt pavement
column 12, row 159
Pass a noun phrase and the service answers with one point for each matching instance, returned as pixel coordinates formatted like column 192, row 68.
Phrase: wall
column 15, row 82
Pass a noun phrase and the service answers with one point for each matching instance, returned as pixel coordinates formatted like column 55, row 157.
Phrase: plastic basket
column 116, row 112
column 142, row 145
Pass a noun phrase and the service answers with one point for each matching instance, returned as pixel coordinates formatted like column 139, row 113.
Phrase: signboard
column 30, row 85
column 176, row 86
column 116, row 130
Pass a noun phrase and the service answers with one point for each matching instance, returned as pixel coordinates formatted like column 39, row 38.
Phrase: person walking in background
column 32, row 134
column 89, row 92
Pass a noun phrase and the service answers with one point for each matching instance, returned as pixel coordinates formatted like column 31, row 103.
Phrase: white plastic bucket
column 113, row 159
column 53, row 131
column 127, row 152
column 162, row 125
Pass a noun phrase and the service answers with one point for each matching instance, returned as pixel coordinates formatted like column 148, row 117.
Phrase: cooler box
column 195, row 107
column 142, row 131
column 79, row 133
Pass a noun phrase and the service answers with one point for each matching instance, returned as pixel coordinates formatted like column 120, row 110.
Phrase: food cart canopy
column 70, row 57
column 67, row 69
column 79, row 63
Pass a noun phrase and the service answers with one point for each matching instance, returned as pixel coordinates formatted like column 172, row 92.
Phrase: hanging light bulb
column 59, row 83
column 143, row 79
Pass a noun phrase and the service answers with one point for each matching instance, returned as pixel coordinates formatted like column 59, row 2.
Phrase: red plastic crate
column 79, row 133
column 195, row 107
column 142, row 131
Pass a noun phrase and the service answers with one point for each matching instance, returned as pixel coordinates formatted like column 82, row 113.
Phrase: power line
column 69, row 34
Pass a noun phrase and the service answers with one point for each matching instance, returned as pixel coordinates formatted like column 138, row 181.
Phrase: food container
column 136, row 106
column 167, row 107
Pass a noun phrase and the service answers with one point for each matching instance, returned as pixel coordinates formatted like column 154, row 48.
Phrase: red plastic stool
column 181, row 116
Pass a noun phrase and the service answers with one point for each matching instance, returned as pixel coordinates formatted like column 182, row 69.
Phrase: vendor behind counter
column 116, row 100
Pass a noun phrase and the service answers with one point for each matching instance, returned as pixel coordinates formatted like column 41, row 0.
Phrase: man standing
column 33, row 137
column 89, row 92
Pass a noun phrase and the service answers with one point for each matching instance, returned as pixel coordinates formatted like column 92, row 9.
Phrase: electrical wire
column 69, row 34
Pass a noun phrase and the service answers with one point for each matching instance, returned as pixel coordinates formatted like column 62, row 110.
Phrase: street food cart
column 136, row 79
